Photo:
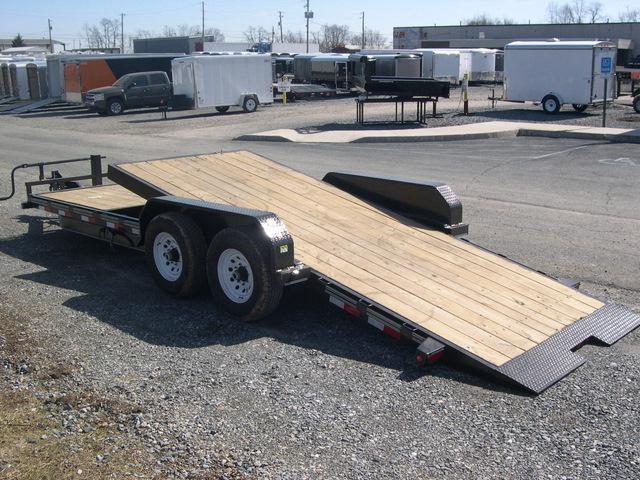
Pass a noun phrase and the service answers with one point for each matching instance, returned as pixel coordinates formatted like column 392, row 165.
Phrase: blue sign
column 605, row 65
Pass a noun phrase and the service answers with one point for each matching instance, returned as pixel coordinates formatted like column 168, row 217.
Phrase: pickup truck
column 134, row 90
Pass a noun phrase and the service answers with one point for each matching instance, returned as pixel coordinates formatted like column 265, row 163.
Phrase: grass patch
column 29, row 448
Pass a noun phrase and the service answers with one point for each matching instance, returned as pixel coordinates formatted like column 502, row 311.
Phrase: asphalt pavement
column 312, row 393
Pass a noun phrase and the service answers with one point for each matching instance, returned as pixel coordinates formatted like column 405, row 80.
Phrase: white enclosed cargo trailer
column 481, row 64
column 222, row 81
column 557, row 73
column 441, row 64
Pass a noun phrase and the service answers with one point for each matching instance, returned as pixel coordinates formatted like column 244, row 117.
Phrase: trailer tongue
column 384, row 249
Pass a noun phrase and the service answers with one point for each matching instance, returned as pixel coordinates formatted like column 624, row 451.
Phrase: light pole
column 308, row 15
column 50, row 41
column 122, row 33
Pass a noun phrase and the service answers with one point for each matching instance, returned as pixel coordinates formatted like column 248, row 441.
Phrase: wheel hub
column 167, row 256
column 235, row 275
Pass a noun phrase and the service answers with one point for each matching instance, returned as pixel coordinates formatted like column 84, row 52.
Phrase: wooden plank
column 421, row 274
column 318, row 207
column 464, row 307
column 484, row 304
column 267, row 164
column 105, row 197
column 405, row 302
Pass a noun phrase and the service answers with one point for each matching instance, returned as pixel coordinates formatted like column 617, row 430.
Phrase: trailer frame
column 535, row 370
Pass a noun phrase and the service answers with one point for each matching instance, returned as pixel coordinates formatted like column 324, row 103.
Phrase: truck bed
column 515, row 321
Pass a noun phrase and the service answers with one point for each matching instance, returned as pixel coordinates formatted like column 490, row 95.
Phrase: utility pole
column 122, row 33
column 308, row 15
column 203, row 26
column 50, row 41
column 280, row 24
column 363, row 41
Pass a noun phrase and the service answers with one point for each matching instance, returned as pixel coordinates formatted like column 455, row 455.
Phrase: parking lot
column 311, row 392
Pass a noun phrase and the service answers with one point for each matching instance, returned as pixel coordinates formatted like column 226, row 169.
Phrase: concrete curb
column 436, row 138
column 264, row 138
column 619, row 138
column 504, row 130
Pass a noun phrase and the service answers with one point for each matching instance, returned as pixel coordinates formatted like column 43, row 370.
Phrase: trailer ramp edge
column 545, row 364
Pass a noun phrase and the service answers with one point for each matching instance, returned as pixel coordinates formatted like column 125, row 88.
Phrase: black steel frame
column 421, row 107
column 534, row 370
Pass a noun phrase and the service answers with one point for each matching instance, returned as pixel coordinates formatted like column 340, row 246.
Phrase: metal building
column 626, row 36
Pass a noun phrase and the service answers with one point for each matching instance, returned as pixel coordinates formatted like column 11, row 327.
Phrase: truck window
column 158, row 79
column 140, row 80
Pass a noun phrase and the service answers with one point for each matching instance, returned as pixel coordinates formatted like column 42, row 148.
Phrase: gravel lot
column 311, row 392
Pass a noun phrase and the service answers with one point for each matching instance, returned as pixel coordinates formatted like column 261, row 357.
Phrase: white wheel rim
column 116, row 107
column 235, row 275
column 167, row 256
column 550, row 105
column 251, row 104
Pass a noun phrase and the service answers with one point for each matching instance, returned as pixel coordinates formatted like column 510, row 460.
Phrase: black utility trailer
column 385, row 250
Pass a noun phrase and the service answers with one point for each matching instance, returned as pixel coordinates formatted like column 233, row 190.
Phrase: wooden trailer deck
column 487, row 306
column 105, row 197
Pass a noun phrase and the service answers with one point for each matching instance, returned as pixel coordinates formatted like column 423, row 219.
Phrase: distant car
column 134, row 90
column 636, row 100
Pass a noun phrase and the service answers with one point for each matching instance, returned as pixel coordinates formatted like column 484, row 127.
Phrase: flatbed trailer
column 385, row 250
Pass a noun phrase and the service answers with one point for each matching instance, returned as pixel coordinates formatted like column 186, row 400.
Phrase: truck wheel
column 239, row 276
column 579, row 107
column 115, row 107
column 636, row 104
column 175, row 248
column 551, row 104
column 222, row 109
column 250, row 104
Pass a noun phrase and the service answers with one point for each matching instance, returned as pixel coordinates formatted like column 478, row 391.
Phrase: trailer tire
column 579, row 107
column 115, row 106
column 177, row 241
column 223, row 109
column 636, row 104
column 253, row 290
column 551, row 104
column 250, row 104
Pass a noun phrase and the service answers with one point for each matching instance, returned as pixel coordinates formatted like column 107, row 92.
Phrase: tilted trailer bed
column 385, row 250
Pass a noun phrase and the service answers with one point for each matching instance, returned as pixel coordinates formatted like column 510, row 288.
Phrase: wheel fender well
column 265, row 227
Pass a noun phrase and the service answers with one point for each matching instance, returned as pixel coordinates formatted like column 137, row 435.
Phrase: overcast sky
column 29, row 17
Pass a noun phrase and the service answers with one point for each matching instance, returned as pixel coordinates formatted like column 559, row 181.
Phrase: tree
column 293, row 37
column 372, row 39
column 594, row 12
column 256, row 35
column 485, row 19
column 106, row 34
column 331, row 36
column 630, row 15
column 577, row 11
column 17, row 41
column 184, row 30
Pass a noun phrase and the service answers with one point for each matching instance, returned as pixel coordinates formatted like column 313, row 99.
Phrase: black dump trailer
column 385, row 250
column 394, row 75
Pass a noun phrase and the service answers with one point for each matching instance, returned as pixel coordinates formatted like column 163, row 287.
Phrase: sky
column 29, row 17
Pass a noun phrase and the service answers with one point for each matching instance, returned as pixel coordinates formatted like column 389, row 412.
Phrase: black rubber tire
column 192, row 245
column 111, row 106
column 250, row 104
column 557, row 107
column 267, row 288
column 636, row 104
column 222, row 109
column 579, row 107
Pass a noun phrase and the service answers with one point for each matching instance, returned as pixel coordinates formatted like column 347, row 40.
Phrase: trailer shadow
column 531, row 115
column 112, row 284
column 171, row 117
